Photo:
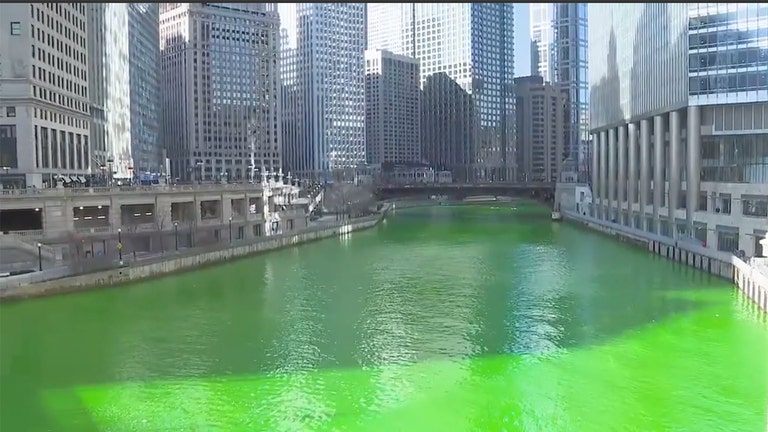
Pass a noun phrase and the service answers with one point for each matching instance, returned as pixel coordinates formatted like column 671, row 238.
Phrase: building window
column 15, row 28
column 10, row 111
column 728, row 239
column 754, row 206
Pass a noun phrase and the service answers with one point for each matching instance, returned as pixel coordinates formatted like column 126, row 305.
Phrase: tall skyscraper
column 44, row 109
column 679, row 112
column 472, row 44
column 221, row 89
column 541, row 110
column 392, row 115
column 323, row 73
column 559, row 55
column 110, row 87
column 144, row 66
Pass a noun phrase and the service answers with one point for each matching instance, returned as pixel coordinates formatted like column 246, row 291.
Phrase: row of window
column 727, row 83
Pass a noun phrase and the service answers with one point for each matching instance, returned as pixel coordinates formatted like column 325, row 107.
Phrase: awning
column 81, row 179
column 73, row 179
column 65, row 179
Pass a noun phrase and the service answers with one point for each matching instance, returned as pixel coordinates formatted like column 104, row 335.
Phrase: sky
column 522, row 40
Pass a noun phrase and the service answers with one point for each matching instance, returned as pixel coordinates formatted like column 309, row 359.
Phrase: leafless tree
column 159, row 226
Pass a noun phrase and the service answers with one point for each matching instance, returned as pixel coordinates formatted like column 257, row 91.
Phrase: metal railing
column 468, row 185
column 101, row 190
column 176, row 245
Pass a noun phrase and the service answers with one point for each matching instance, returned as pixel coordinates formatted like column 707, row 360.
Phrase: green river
column 440, row 319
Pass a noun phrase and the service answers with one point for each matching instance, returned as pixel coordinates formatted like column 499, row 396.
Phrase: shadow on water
column 431, row 283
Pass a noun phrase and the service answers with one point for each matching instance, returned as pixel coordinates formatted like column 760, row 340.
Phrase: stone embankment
column 184, row 262
column 750, row 280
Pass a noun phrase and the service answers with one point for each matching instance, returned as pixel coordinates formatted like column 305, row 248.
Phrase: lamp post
column 176, row 234
column 39, row 257
column 230, row 229
column 110, row 161
column 120, row 244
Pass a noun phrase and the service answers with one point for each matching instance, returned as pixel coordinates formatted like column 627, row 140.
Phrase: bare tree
column 159, row 226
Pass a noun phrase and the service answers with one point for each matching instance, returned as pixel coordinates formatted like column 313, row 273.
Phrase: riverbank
column 752, row 283
column 191, row 260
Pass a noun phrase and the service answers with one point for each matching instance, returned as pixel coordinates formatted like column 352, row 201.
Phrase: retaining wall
column 749, row 280
column 175, row 264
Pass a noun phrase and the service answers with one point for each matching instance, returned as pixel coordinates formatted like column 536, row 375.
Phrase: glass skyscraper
column 323, row 86
column 679, row 117
column 559, row 55
column 144, row 64
column 472, row 45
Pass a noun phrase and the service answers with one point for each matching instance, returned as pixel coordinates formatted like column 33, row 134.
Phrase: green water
column 444, row 319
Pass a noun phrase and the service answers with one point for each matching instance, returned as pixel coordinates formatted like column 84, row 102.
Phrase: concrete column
column 595, row 166
column 603, row 173
column 693, row 165
column 645, row 164
column 675, row 146
column 658, row 166
column 632, row 171
column 66, row 153
column 115, row 214
column 621, row 182
column 611, row 172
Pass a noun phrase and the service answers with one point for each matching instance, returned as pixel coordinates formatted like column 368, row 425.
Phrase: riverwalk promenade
column 155, row 265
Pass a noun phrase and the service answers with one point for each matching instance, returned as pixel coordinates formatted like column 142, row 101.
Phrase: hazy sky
column 522, row 40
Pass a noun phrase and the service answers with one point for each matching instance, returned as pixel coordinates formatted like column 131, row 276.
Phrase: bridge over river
column 446, row 318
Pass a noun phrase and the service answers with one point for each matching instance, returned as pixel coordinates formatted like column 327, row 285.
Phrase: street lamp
column 176, row 234
column 120, row 244
column 230, row 229
column 110, row 161
column 39, row 257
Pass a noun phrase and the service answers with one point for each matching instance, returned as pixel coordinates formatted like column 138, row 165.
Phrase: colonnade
column 629, row 160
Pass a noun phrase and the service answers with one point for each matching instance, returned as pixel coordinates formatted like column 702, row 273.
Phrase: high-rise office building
column 541, row 111
column 323, row 78
column 110, row 88
column 220, row 89
column 679, row 113
column 124, row 68
column 144, row 66
column 559, row 55
column 392, row 116
column 472, row 44
column 44, row 109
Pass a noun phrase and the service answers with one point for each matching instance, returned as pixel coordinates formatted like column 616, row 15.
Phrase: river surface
column 440, row 319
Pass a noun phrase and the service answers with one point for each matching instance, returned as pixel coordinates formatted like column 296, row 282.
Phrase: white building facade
column 110, row 88
column 220, row 89
column 679, row 117
column 392, row 114
column 323, row 78
column 44, row 108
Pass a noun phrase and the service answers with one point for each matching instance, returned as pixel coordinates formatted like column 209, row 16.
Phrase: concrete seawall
column 175, row 264
column 751, row 282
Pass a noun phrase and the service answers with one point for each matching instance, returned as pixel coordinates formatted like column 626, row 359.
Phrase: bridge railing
column 468, row 185
column 101, row 190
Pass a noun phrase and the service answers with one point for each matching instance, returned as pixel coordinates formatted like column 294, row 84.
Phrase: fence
column 191, row 241
column 749, row 279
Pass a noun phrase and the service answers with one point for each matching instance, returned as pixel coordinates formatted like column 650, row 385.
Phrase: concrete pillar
column 115, row 214
column 693, row 165
column 632, row 171
column 675, row 147
column 595, row 166
column 658, row 167
column 603, row 173
column 611, row 172
column 645, row 165
column 621, row 182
